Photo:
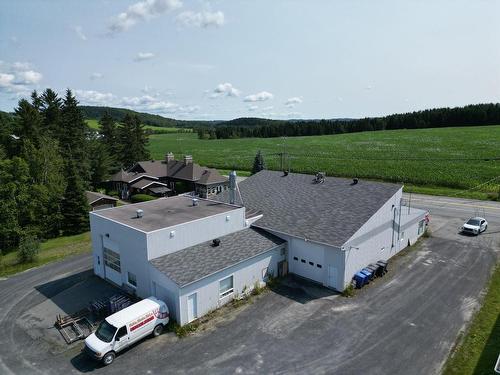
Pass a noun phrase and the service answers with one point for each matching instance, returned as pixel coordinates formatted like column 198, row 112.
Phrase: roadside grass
column 389, row 155
column 94, row 124
column 479, row 348
column 50, row 251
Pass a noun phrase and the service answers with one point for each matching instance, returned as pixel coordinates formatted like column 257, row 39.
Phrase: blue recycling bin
column 368, row 273
column 361, row 279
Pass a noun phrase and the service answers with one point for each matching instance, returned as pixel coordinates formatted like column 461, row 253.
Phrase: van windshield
column 105, row 332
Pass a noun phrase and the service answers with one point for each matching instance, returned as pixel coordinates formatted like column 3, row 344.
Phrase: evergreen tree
column 73, row 140
column 109, row 133
column 29, row 247
column 101, row 163
column 50, row 106
column 74, row 204
column 29, row 122
column 258, row 163
column 133, row 141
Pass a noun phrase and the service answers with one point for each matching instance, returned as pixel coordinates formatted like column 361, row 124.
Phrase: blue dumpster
column 360, row 279
column 368, row 273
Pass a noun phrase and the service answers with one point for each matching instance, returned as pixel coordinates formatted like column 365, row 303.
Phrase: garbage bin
column 373, row 268
column 360, row 279
column 368, row 273
column 383, row 264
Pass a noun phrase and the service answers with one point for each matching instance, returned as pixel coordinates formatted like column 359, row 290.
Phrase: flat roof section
column 164, row 212
column 199, row 261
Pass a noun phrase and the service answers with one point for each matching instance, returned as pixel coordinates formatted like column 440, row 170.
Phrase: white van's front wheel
column 108, row 358
column 158, row 330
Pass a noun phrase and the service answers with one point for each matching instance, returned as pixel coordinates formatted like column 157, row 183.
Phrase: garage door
column 307, row 260
column 112, row 266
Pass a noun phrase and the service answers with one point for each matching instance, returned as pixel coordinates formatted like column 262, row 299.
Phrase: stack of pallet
column 118, row 302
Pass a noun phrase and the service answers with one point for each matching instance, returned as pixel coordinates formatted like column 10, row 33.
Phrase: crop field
column 94, row 124
column 457, row 158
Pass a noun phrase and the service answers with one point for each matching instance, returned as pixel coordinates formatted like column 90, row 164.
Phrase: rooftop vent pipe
column 355, row 180
column 195, row 201
column 139, row 213
column 215, row 242
column 232, row 187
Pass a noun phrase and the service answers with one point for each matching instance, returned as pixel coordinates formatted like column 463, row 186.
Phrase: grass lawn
column 94, row 124
column 380, row 155
column 51, row 250
column 479, row 349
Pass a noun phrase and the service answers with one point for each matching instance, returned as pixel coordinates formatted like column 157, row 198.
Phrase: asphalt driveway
column 405, row 323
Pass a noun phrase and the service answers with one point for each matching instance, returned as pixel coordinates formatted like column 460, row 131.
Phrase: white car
column 474, row 225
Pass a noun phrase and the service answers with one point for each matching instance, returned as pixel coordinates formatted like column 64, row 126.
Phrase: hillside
column 457, row 158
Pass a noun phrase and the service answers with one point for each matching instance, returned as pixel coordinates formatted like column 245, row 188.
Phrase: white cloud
column 253, row 108
column 79, row 32
column 259, row 97
column 96, row 75
column 142, row 56
column 203, row 19
column 225, row 89
column 18, row 77
column 92, row 97
column 142, row 11
column 292, row 102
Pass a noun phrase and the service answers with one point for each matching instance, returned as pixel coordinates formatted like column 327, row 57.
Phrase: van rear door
column 121, row 339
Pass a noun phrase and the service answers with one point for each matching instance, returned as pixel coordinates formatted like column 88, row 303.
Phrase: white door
column 307, row 260
column 192, row 308
column 332, row 277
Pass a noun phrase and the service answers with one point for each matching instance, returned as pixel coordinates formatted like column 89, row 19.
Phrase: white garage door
column 112, row 266
column 307, row 260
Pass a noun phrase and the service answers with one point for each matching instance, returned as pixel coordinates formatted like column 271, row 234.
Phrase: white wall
column 192, row 233
column 165, row 290
column 129, row 243
column 244, row 274
column 378, row 238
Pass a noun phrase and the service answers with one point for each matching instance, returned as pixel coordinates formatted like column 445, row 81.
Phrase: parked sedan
column 474, row 225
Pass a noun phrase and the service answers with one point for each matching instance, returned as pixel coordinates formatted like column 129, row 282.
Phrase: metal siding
column 244, row 274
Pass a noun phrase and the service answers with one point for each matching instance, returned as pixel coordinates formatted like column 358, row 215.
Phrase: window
column 121, row 332
column 132, row 279
column 303, row 260
column 319, row 266
column 311, row 263
column 226, row 286
column 112, row 260
column 421, row 226
column 295, row 258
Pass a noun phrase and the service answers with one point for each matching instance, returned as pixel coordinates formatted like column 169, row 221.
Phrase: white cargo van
column 125, row 327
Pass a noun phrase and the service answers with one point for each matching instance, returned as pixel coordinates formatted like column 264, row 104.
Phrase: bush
column 183, row 331
column 141, row 198
column 29, row 246
column 257, row 289
column 349, row 291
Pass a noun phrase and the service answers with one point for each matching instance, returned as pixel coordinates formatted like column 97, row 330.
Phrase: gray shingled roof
column 196, row 262
column 330, row 212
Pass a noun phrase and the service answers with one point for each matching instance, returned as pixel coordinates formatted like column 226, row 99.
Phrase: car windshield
column 473, row 222
column 105, row 332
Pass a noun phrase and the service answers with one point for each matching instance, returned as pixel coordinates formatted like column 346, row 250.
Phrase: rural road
column 405, row 323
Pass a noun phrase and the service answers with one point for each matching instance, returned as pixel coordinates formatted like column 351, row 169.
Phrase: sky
column 223, row 59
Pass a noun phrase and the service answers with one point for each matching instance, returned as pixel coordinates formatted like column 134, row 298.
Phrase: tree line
column 49, row 157
column 471, row 115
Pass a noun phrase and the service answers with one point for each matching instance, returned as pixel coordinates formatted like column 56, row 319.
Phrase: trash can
column 383, row 264
column 368, row 273
column 360, row 279
column 373, row 268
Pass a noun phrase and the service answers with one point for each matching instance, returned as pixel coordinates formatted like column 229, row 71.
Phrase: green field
column 479, row 349
column 384, row 155
column 94, row 124
column 50, row 251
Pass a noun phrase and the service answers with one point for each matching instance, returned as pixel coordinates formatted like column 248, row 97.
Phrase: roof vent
column 320, row 178
column 139, row 213
column 285, row 173
column 355, row 180
column 215, row 242
column 195, row 201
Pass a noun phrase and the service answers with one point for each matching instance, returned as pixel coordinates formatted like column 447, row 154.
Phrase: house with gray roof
column 170, row 177
column 197, row 254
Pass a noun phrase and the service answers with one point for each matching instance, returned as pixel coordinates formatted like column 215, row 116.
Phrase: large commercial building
column 197, row 254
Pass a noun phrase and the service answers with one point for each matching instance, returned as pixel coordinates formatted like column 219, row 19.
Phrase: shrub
column 141, row 198
column 29, row 246
column 427, row 233
column 113, row 193
column 257, row 289
column 349, row 291
column 183, row 331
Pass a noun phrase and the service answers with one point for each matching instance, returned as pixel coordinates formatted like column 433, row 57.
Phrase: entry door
column 192, row 307
column 332, row 277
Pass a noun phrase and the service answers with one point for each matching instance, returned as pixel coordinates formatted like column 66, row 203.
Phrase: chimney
column 169, row 157
column 232, row 187
column 188, row 159
column 139, row 213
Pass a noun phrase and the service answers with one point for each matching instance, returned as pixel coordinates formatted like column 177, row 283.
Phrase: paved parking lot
column 405, row 323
